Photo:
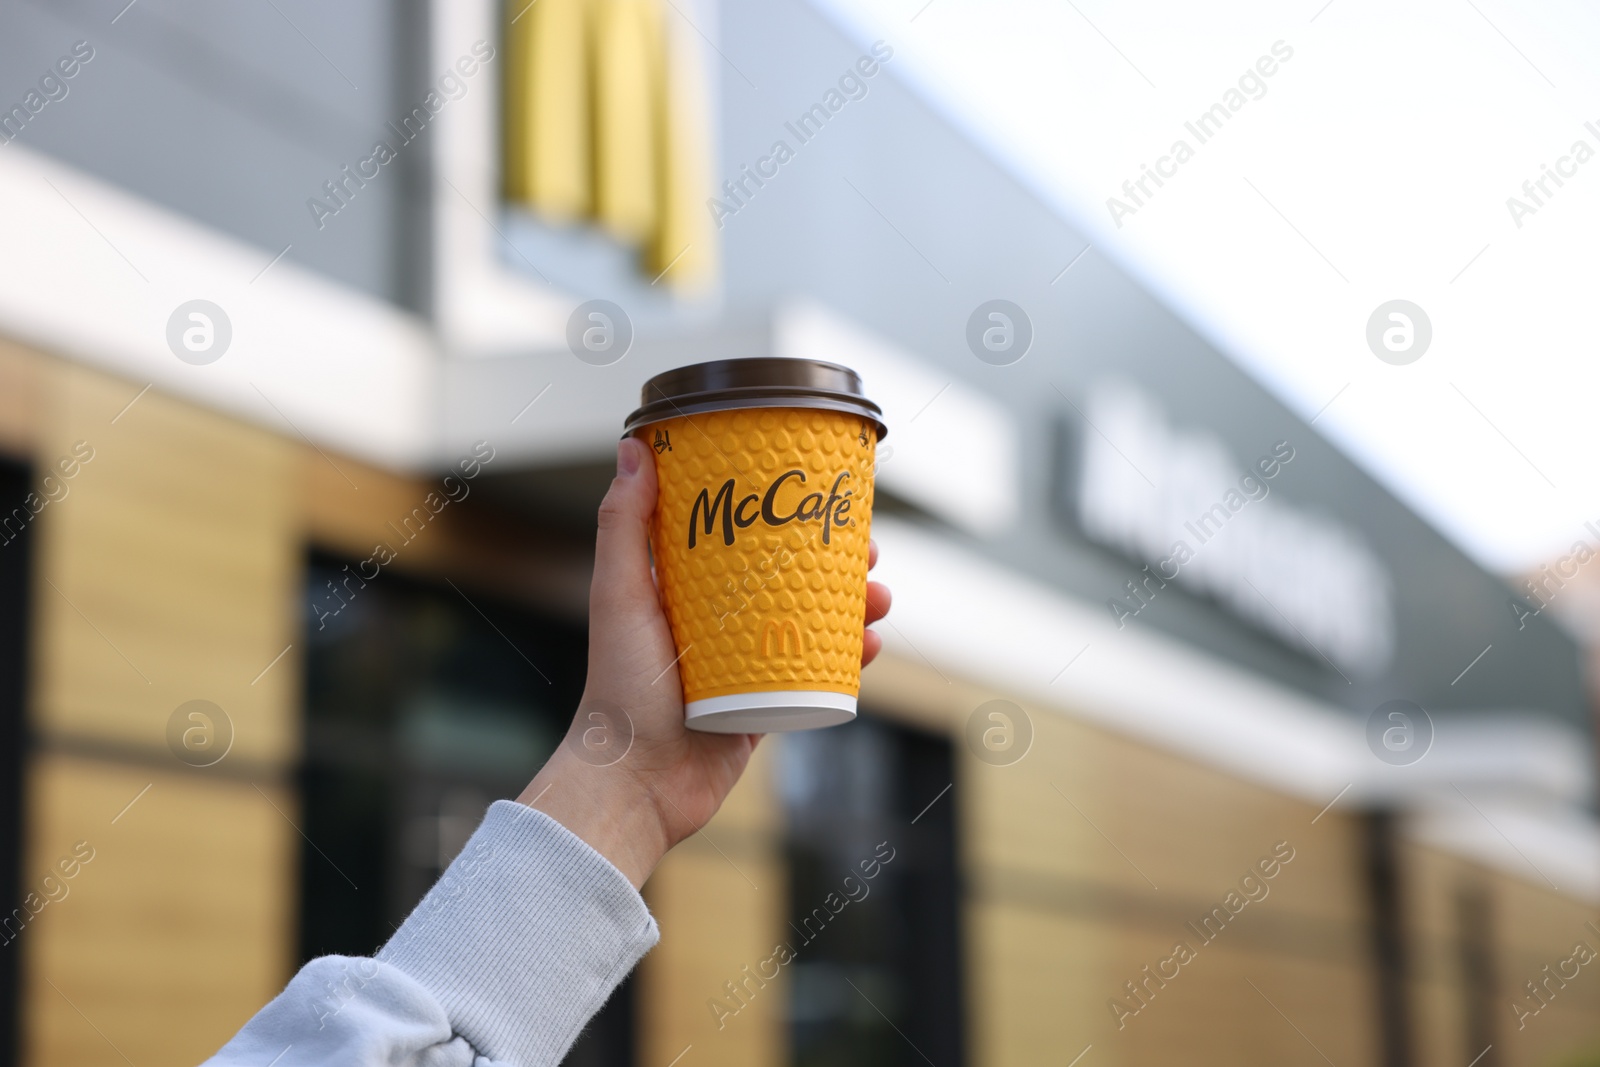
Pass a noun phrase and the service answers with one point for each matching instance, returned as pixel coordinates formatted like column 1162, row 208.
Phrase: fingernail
column 627, row 458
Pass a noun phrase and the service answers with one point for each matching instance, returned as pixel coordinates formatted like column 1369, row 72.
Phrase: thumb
column 622, row 546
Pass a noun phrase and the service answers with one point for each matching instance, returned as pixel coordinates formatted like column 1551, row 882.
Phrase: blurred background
column 1237, row 702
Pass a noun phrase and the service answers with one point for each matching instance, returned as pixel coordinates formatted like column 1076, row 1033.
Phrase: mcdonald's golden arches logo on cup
column 761, row 536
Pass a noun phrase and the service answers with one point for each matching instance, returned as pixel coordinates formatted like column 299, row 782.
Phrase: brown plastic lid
column 766, row 382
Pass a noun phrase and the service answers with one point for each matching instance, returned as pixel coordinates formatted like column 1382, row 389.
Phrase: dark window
column 1385, row 895
column 422, row 707
column 1479, row 993
column 876, row 974
column 15, row 540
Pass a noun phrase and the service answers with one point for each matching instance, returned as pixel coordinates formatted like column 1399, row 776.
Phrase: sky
column 1374, row 164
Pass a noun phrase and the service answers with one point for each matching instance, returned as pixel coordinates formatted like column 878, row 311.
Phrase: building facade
column 316, row 329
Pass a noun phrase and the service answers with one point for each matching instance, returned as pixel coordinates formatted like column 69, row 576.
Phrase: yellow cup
column 763, row 516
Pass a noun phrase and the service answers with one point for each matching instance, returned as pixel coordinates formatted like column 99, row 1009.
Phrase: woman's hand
column 630, row 778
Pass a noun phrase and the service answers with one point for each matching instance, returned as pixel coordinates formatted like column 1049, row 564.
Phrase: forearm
column 608, row 807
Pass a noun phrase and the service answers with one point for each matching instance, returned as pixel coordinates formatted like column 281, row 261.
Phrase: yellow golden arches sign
column 605, row 119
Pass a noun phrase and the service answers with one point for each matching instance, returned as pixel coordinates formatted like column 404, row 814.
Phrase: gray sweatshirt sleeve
column 505, row 959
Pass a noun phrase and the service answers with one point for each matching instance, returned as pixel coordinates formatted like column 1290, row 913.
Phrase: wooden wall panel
column 1530, row 926
column 1538, row 927
column 174, row 934
column 720, row 899
column 1036, row 984
column 1431, row 884
column 168, row 572
column 1086, row 859
column 22, row 375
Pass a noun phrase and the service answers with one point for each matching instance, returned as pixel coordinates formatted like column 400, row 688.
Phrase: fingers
column 878, row 601
column 622, row 579
column 871, row 645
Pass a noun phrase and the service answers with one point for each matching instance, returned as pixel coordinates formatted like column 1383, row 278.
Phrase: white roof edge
column 93, row 272
column 1553, row 849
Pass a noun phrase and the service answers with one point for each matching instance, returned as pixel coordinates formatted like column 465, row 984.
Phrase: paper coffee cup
column 763, row 515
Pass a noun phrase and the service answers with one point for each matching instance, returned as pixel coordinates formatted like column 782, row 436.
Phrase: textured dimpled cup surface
column 761, row 538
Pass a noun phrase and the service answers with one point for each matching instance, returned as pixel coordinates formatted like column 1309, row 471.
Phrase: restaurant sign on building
column 1180, row 502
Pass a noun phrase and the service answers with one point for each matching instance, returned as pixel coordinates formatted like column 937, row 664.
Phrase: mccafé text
column 833, row 509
